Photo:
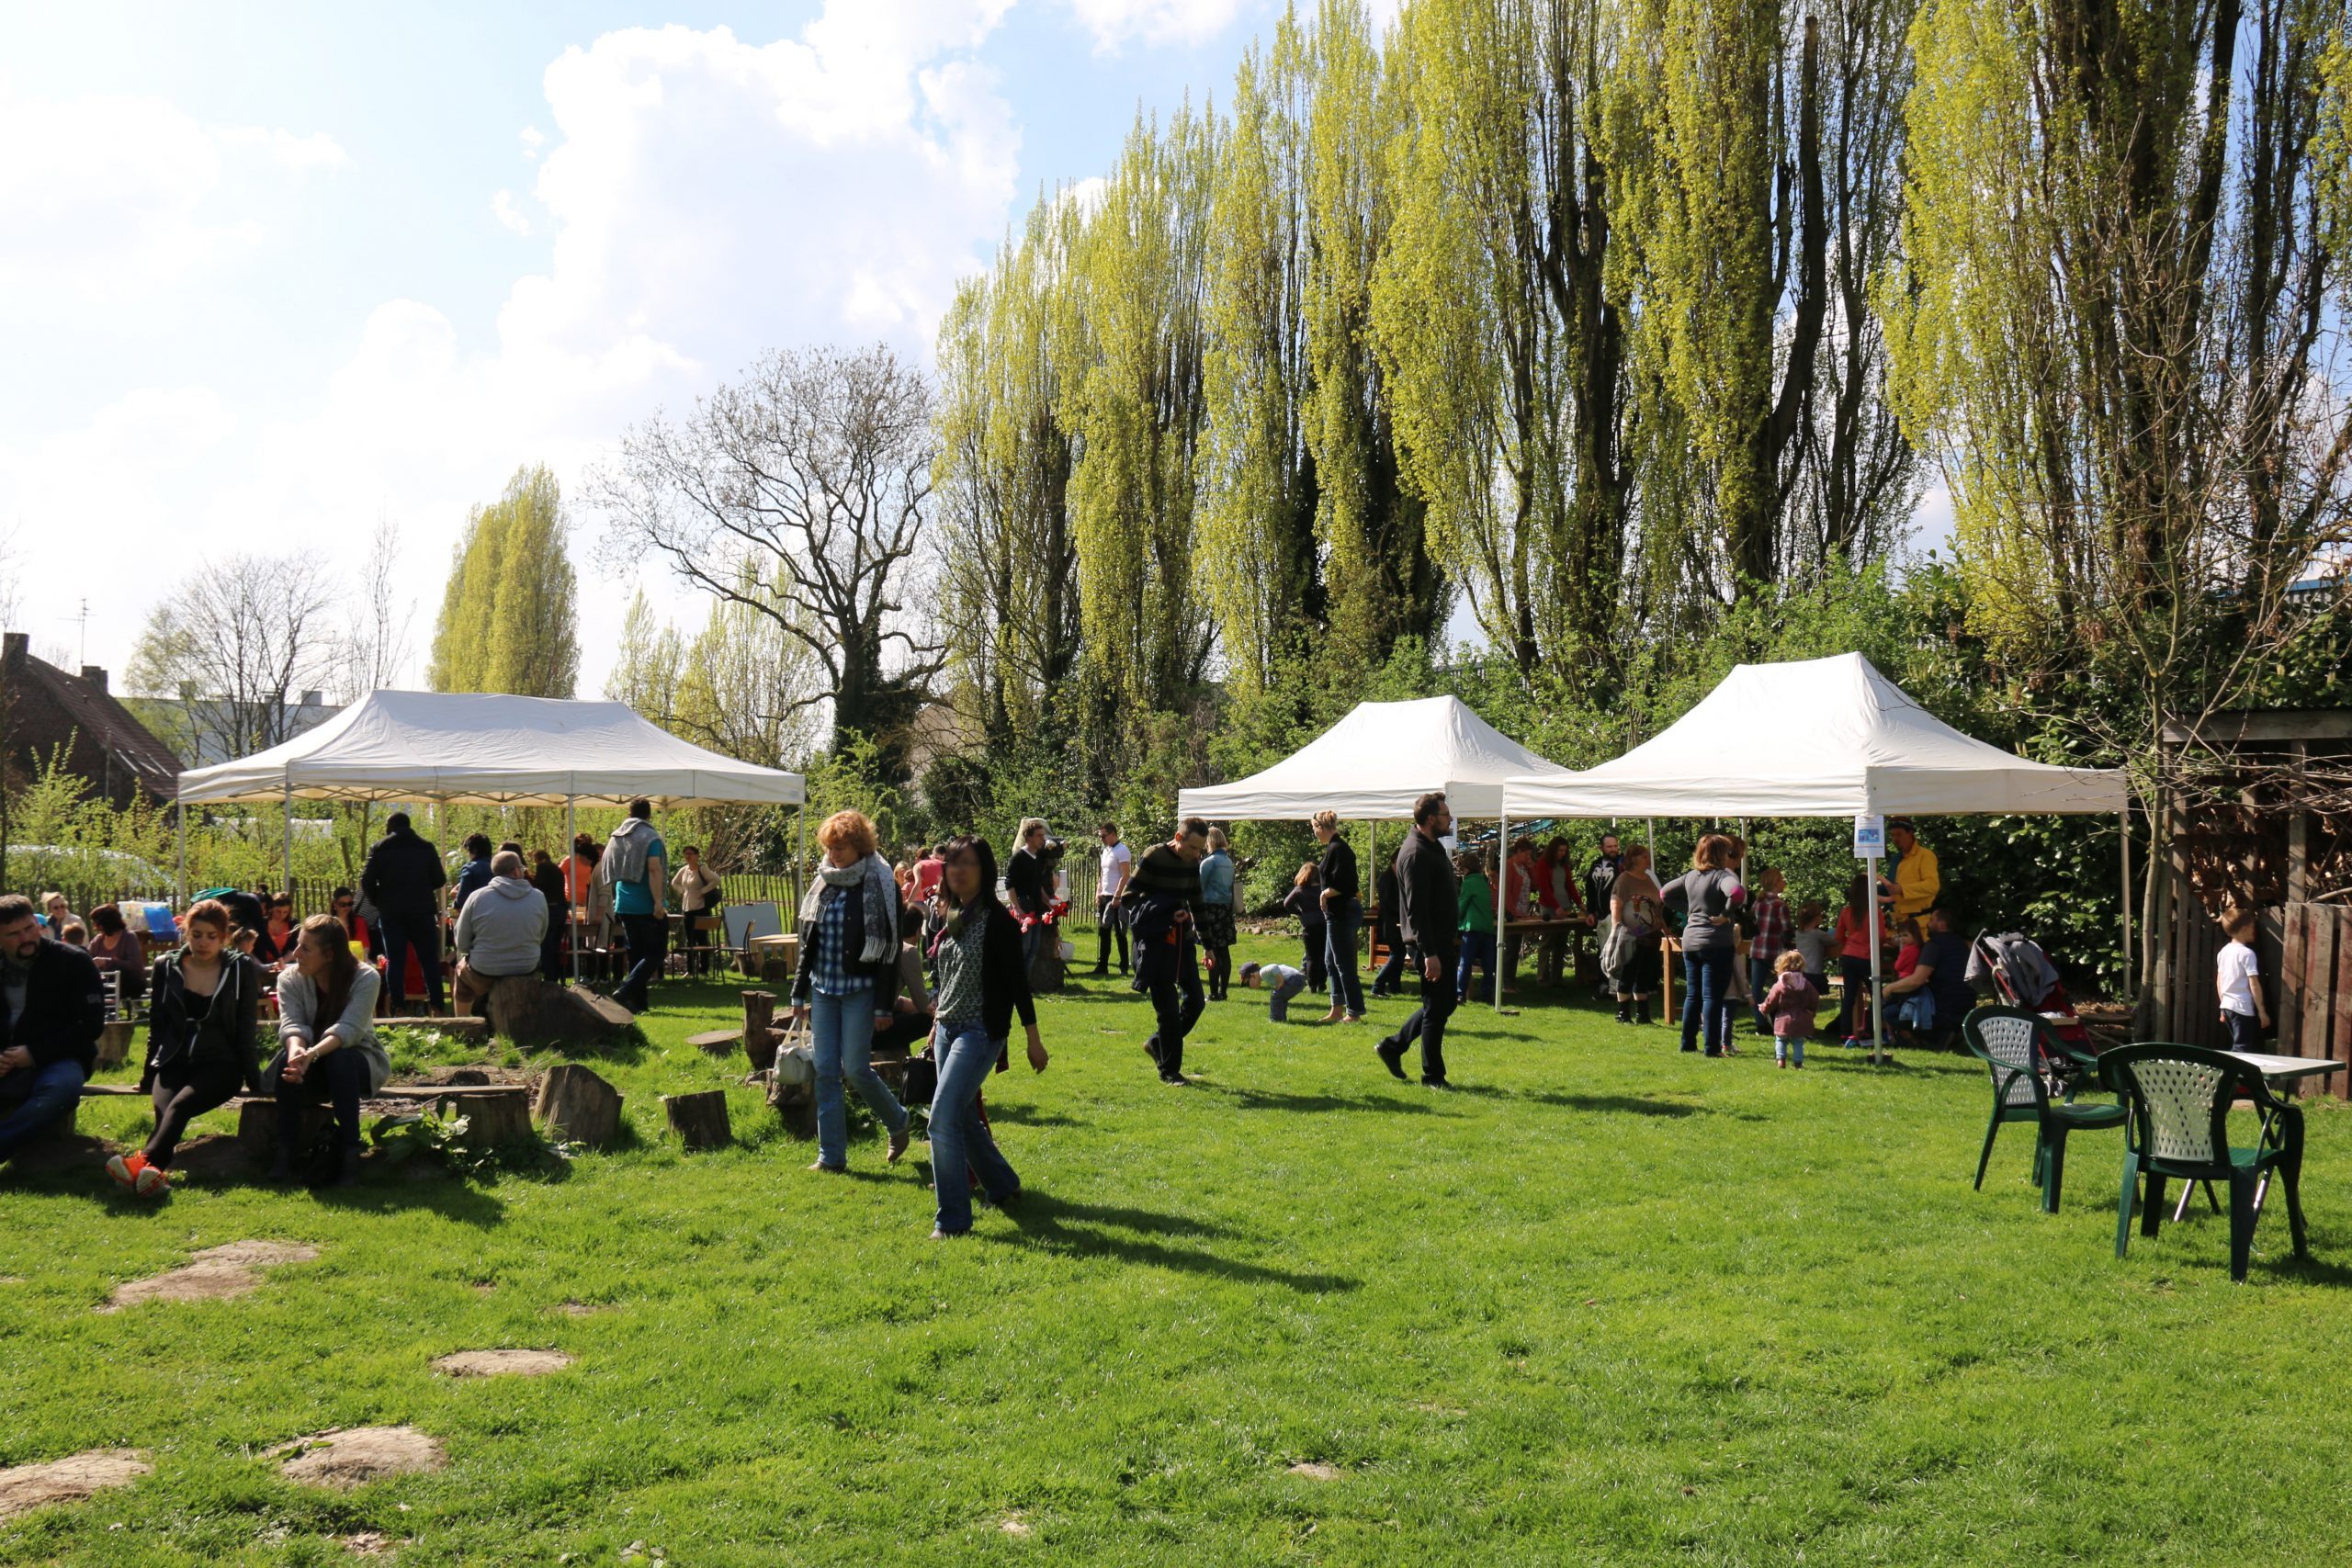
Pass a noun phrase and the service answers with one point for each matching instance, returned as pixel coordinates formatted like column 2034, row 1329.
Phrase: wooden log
column 579, row 1106
column 531, row 1012
column 718, row 1041
column 699, row 1119
column 257, row 1128
column 498, row 1114
column 759, row 1013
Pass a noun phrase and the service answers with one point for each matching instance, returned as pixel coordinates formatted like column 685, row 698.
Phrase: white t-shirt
column 1117, row 859
column 2238, row 972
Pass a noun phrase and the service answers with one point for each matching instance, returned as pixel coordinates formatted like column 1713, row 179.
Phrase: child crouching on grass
column 1282, row 980
column 1791, row 1004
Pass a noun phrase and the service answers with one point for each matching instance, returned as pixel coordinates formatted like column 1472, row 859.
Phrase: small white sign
column 1869, row 837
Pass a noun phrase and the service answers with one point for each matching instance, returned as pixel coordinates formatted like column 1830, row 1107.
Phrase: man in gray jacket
column 499, row 931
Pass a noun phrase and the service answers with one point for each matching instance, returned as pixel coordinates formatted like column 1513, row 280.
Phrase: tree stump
column 759, row 1013
column 794, row 1096
column 499, row 1115
column 718, row 1041
column 114, row 1044
column 579, row 1106
column 699, row 1119
column 531, row 1012
column 257, row 1128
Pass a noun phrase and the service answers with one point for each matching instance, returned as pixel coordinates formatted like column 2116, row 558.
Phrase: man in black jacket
column 1429, row 908
column 52, row 1006
column 1029, row 888
column 404, row 880
column 1163, row 901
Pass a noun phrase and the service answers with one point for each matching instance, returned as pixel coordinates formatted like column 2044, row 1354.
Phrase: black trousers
column 1427, row 1023
column 340, row 1077
column 185, row 1091
column 1389, row 978
column 420, row 928
column 1175, row 984
column 1109, row 926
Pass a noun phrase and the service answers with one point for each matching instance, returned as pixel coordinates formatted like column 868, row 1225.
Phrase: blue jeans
column 961, row 1146
column 648, row 946
column 1477, row 952
column 1916, row 1011
column 1706, row 998
column 841, row 1036
column 1340, row 924
column 36, row 1098
column 1278, row 1004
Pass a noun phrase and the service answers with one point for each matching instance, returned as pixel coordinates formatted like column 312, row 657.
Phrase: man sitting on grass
column 52, row 1006
column 1281, row 979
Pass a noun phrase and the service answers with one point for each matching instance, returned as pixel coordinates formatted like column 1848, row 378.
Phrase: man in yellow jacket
column 1917, row 879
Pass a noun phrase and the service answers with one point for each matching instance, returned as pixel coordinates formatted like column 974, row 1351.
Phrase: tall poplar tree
column 508, row 622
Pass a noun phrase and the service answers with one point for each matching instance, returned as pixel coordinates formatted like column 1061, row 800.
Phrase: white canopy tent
column 1821, row 738
column 1373, row 764
column 473, row 749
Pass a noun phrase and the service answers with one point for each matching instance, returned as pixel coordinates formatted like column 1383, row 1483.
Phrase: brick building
column 42, row 709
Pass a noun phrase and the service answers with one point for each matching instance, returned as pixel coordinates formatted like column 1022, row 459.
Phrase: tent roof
column 1814, row 738
column 489, row 750
column 1373, row 764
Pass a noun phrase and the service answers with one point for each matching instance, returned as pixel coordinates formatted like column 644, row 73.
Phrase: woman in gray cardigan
column 328, row 1049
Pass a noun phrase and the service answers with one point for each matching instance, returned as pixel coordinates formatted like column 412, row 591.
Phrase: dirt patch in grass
column 502, row 1363
column 69, row 1480
column 356, row 1455
column 371, row 1543
column 587, row 1309
column 1315, row 1470
column 215, row 1274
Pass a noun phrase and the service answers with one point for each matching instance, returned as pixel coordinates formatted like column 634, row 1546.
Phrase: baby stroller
column 2012, row 967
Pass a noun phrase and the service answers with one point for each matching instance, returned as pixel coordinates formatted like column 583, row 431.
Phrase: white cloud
column 533, row 139
column 316, row 150
column 503, row 208
column 1115, row 22
column 110, row 195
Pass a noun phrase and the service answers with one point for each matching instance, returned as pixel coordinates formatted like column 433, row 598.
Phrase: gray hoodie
column 502, row 926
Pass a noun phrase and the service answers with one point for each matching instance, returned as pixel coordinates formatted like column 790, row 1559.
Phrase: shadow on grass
column 1275, row 1100
column 1030, row 1116
column 1132, row 1235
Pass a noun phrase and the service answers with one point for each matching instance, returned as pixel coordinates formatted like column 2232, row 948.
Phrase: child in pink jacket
column 1791, row 1005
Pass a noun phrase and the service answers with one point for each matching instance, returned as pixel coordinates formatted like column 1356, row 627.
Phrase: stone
column 502, row 1363
column 533, row 1013
column 356, row 1455
column 25, row 1487
column 579, row 1106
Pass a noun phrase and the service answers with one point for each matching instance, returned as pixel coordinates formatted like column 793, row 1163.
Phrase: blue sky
column 271, row 272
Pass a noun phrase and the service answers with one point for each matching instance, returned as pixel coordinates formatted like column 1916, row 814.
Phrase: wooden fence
column 2315, row 986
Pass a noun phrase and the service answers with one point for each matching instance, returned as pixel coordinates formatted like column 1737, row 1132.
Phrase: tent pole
column 179, row 888
column 2124, row 821
column 1502, row 874
column 570, row 832
column 289, row 838
column 800, row 854
column 1878, row 999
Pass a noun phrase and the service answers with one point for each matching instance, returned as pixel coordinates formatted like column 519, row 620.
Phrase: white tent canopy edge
column 1375, row 762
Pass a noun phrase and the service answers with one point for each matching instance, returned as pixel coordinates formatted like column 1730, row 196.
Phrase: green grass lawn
column 1604, row 1302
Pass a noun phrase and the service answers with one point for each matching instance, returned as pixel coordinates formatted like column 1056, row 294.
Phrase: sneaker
column 153, row 1182
column 829, row 1169
column 899, row 1141
column 1392, row 1056
column 126, row 1168
column 1178, row 1079
column 1436, row 1083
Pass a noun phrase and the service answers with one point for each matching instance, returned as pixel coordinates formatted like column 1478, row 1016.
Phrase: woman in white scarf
column 848, row 980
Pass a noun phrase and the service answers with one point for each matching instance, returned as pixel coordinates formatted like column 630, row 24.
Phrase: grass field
column 1603, row 1302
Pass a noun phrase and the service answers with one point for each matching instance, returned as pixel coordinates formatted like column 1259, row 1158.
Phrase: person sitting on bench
column 52, row 1007
column 328, row 1049
column 500, row 933
column 909, row 1025
column 201, row 1037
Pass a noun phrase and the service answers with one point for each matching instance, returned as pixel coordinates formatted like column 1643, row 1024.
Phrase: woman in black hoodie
column 982, row 980
column 204, row 1023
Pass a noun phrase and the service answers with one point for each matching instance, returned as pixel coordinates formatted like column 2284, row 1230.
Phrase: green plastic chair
column 2015, row 1045
column 2180, row 1098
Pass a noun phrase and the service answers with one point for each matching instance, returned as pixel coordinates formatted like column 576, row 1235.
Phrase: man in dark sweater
column 1029, row 887
column 404, row 880
column 1163, row 900
column 1429, row 908
column 52, row 1006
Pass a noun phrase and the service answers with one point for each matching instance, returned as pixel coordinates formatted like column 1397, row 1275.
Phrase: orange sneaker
column 125, row 1168
column 153, row 1181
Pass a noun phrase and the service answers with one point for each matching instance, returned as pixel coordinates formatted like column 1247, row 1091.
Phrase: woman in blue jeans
column 1343, row 897
column 1709, row 890
column 847, row 980
column 980, row 982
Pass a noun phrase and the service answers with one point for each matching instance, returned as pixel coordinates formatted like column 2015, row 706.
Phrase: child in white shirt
column 2238, row 978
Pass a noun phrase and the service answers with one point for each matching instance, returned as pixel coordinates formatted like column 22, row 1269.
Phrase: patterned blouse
column 960, row 986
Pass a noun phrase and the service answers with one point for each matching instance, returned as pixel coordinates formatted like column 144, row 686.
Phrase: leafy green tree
column 508, row 622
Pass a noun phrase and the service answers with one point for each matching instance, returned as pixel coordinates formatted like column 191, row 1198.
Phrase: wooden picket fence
column 2315, row 986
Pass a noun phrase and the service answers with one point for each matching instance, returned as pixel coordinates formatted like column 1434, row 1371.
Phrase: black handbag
column 923, row 1079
